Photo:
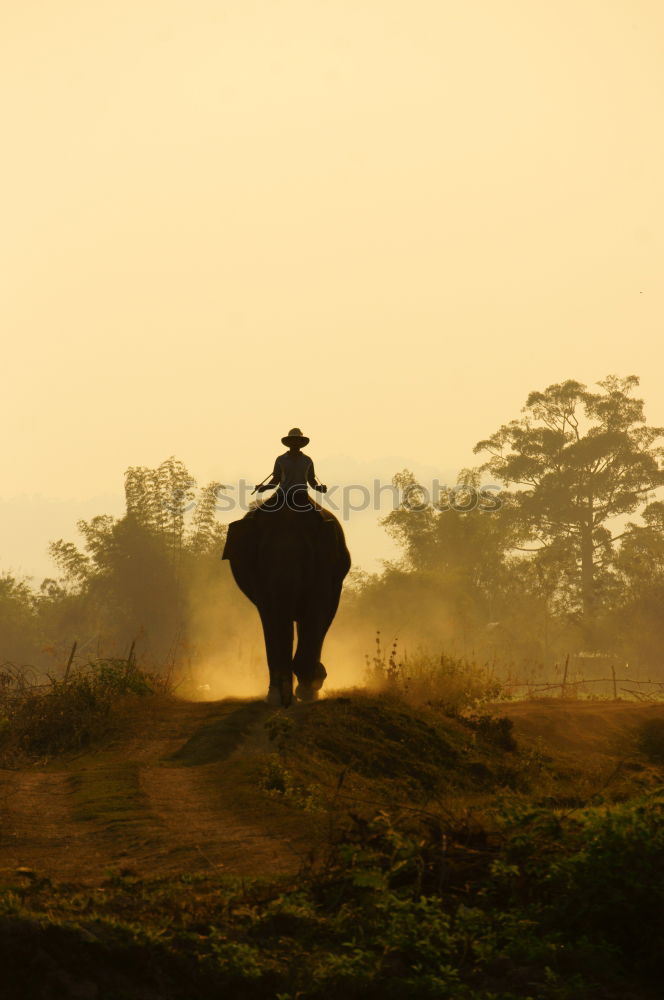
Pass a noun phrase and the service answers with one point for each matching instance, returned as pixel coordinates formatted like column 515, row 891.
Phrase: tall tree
column 135, row 573
column 579, row 459
column 452, row 571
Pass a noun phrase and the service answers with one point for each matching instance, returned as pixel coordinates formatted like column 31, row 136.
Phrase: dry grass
column 39, row 720
column 448, row 683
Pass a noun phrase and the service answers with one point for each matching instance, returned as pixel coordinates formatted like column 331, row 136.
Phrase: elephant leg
column 307, row 666
column 278, row 633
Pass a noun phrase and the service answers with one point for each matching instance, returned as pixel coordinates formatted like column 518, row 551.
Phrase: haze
column 384, row 222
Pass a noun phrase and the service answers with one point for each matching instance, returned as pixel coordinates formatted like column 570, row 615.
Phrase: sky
column 384, row 222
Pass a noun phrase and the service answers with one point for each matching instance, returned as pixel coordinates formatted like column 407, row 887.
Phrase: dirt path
column 156, row 803
column 178, row 790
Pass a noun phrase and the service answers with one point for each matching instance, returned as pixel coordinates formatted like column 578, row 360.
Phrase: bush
column 493, row 729
column 67, row 714
column 597, row 877
column 557, row 908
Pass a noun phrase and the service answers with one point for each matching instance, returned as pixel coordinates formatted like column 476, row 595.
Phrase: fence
column 646, row 690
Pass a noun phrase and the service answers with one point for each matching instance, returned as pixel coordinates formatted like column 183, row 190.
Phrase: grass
column 449, row 683
column 110, row 800
column 72, row 713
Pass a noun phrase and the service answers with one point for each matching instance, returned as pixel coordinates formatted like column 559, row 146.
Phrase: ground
column 182, row 787
column 359, row 848
column 162, row 801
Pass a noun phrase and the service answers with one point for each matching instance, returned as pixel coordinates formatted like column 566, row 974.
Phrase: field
column 356, row 847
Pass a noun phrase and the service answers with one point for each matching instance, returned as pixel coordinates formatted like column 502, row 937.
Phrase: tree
column 463, row 543
column 449, row 583
column 135, row 573
column 635, row 617
column 18, row 634
column 580, row 460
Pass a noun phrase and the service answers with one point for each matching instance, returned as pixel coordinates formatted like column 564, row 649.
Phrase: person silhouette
column 293, row 472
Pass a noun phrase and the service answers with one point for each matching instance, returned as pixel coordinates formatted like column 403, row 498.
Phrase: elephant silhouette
column 291, row 565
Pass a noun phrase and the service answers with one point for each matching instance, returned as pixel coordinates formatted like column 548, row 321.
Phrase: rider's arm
column 276, row 475
column 311, row 479
column 276, row 479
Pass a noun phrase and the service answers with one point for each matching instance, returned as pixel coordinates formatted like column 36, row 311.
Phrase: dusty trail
column 35, row 822
column 154, row 804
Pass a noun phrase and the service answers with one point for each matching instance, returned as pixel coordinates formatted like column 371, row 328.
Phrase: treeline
column 151, row 577
column 571, row 560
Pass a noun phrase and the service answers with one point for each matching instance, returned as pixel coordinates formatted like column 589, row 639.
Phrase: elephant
column 291, row 564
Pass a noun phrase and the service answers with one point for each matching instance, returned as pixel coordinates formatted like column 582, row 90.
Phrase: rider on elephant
column 291, row 566
column 293, row 472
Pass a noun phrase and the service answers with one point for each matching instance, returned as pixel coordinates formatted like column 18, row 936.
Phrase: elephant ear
column 335, row 545
column 240, row 550
column 238, row 539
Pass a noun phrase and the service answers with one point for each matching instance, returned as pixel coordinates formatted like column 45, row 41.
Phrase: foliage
column 514, row 587
column 407, row 900
column 135, row 574
column 496, row 730
column 152, row 576
column 458, row 555
column 558, row 908
column 596, row 876
column 554, row 570
column 70, row 713
column 277, row 781
column 633, row 616
column 20, row 637
column 580, row 459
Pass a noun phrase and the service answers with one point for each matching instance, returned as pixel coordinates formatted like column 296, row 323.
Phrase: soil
column 150, row 804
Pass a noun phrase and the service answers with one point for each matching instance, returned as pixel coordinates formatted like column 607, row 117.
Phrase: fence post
column 563, row 687
column 70, row 660
column 615, row 689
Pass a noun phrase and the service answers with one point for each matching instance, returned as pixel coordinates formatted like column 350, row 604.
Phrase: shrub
column 597, row 876
column 492, row 729
column 67, row 714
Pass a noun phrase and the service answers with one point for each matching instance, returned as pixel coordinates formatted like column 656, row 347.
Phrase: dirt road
column 159, row 801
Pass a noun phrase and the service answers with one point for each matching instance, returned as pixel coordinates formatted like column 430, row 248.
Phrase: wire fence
column 613, row 687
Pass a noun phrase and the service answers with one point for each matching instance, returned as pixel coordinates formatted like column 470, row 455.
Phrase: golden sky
column 383, row 221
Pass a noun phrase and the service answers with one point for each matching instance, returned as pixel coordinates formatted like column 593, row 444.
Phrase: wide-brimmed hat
column 295, row 436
